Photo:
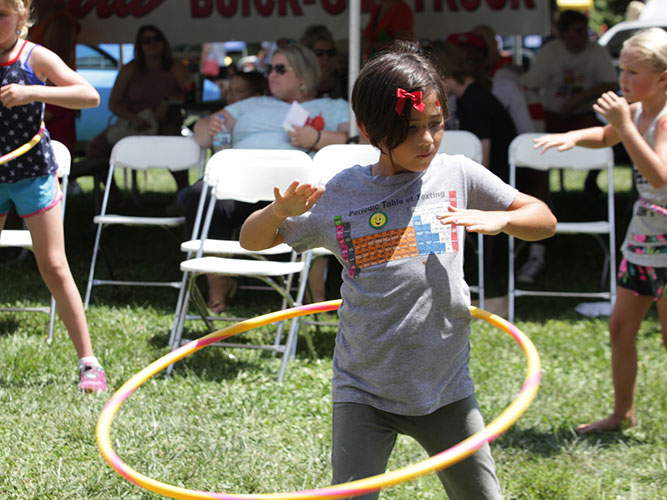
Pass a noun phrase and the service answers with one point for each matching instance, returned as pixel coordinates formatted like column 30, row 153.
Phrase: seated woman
column 140, row 95
column 333, row 80
column 257, row 123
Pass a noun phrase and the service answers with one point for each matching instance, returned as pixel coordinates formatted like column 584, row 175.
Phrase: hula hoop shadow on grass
column 354, row 488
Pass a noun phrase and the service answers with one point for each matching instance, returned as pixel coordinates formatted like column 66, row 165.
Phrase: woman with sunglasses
column 140, row 95
column 319, row 39
column 257, row 123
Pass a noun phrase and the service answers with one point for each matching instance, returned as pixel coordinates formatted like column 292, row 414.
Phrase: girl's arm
column 527, row 218
column 593, row 137
column 652, row 164
column 71, row 90
column 260, row 230
column 614, row 109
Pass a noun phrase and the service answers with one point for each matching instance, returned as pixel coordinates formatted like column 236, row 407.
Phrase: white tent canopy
column 196, row 21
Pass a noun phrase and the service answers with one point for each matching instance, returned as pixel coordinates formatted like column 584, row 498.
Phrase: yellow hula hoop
column 354, row 488
column 21, row 150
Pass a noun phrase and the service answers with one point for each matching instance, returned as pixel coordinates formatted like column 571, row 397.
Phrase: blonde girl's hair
column 652, row 44
column 305, row 65
column 22, row 7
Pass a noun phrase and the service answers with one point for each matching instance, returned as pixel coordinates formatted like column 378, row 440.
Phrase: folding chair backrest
column 250, row 175
column 522, row 153
column 333, row 158
column 461, row 142
column 63, row 158
column 142, row 152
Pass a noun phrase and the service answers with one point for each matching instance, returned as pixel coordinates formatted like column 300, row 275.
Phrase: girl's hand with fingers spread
column 562, row 142
column 297, row 199
column 475, row 220
column 614, row 108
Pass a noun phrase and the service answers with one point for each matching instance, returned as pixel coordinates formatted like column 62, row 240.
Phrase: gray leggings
column 363, row 438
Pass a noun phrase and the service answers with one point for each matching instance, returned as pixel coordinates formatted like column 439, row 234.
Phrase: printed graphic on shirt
column 424, row 235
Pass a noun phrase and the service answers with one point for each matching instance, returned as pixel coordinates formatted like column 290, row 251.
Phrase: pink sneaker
column 92, row 378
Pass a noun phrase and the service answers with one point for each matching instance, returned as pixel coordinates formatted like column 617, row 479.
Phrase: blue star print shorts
column 30, row 196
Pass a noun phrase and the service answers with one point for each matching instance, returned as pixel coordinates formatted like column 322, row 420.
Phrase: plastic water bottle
column 223, row 139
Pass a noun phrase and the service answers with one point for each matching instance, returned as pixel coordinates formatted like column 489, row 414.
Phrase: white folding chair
column 523, row 154
column 20, row 238
column 462, row 142
column 247, row 176
column 142, row 153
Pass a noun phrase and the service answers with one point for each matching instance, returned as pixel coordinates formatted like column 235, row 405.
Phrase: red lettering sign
column 470, row 5
column 334, row 7
column 201, row 8
column 107, row 8
column 466, row 5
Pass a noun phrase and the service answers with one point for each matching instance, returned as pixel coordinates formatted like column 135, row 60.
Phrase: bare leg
column 316, row 279
column 220, row 290
column 46, row 230
column 662, row 314
column 628, row 314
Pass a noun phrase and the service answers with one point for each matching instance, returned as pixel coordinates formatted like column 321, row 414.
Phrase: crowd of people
column 401, row 101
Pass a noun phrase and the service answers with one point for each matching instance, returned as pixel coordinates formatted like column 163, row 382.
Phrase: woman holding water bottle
column 257, row 123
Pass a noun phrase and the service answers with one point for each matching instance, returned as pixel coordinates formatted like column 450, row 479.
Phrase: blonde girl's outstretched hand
column 614, row 108
column 562, row 142
column 297, row 199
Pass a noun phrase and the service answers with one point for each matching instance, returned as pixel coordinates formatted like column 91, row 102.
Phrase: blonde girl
column 29, row 181
column 639, row 120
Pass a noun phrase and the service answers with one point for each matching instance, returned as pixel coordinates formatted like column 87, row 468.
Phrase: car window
column 89, row 57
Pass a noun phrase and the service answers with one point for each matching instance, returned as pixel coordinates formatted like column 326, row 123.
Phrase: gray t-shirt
column 402, row 343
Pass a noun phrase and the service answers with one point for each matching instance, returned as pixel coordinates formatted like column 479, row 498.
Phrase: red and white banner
column 196, row 21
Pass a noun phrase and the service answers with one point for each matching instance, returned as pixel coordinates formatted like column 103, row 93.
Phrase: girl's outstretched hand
column 614, row 108
column 477, row 221
column 297, row 199
column 562, row 142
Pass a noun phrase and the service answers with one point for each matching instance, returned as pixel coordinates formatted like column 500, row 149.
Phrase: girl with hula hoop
column 639, row 121
column 28, row 168
column 397, row 228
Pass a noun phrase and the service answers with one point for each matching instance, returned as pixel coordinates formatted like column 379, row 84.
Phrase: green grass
column 223, row 422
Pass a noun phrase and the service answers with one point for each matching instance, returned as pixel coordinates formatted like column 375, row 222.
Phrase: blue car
column 99, row 65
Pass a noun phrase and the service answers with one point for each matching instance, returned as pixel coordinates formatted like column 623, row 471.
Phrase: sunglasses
column 281, row 69
column 150, row 39
column 329, row 52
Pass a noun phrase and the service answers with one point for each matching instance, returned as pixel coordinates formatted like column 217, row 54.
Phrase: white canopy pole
column 354, row 56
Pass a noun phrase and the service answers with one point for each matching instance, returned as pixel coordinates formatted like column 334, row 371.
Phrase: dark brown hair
column 401, row 65
column 140, row 57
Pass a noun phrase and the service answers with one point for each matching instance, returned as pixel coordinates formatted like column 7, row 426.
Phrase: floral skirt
column 643, row 280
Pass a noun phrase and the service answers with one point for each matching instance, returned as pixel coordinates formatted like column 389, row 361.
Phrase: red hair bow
column 403, row 96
